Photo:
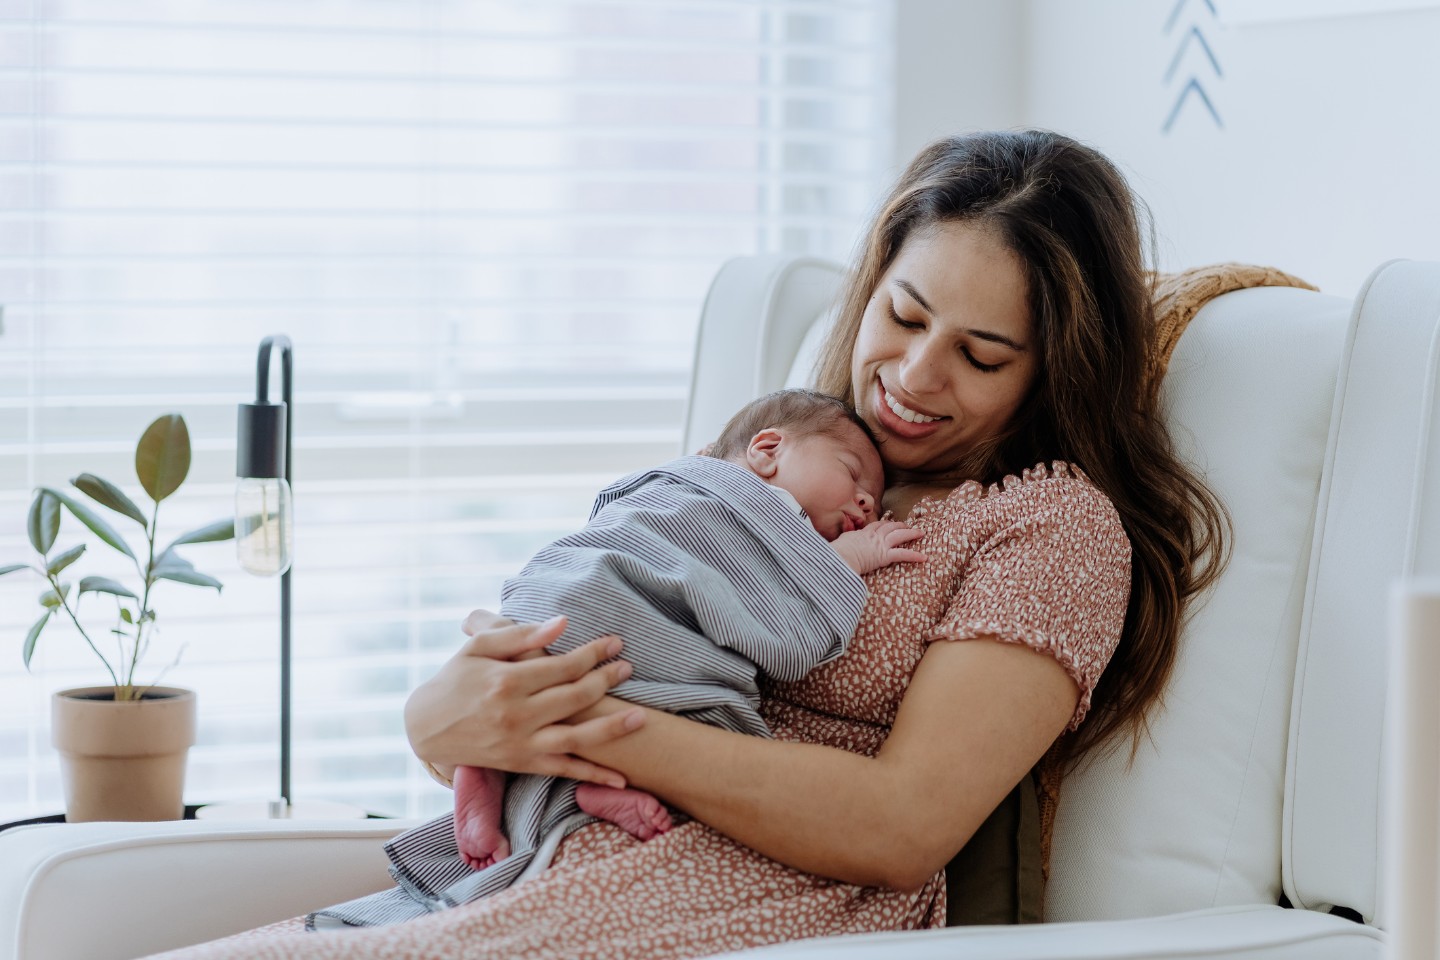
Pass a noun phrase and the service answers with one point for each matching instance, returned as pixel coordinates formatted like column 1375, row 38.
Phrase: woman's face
column 946, row 351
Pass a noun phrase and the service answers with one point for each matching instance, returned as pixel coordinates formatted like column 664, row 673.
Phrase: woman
column 995, row 336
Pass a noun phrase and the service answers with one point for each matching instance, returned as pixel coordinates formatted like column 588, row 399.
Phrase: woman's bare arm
column 976, row 716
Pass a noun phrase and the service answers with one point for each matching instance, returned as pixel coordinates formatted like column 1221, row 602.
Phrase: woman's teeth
column 905, row 413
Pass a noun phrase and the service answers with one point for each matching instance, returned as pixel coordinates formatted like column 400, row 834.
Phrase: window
column 488, row 228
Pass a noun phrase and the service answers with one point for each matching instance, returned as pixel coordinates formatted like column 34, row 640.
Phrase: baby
column 815, row 460
column 714, row 569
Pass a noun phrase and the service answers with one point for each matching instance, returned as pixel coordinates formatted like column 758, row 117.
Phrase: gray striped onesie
column 711, row 579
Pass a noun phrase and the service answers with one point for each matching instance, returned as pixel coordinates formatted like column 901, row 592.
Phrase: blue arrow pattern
column 1193, row 89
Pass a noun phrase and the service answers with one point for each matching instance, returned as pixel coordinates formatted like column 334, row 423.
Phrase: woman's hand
column 501, row 702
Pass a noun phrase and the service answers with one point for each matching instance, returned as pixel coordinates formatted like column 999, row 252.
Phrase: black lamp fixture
column 263, row 531
column 264, row 544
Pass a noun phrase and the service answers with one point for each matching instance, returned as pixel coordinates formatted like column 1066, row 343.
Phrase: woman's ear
column 763, row 453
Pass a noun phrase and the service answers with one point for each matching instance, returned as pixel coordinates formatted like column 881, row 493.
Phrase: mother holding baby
column 996, row 337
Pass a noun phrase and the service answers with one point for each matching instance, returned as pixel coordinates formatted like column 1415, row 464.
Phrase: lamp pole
column 264, row 451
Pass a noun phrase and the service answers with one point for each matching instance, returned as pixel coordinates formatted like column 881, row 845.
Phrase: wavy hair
column 1068, row 214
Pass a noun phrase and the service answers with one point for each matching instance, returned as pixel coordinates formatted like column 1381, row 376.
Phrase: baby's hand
column 877, row 545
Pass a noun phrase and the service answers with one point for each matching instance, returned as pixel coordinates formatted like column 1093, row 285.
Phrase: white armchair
column 1311, row 416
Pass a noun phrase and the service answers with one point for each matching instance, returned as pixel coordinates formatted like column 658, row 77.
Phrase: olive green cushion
column 996, row 878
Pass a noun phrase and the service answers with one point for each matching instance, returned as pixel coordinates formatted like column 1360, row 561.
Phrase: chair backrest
column 1311, row 418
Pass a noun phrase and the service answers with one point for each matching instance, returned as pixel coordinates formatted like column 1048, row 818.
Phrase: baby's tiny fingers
column 897, row 555
column 901, row 535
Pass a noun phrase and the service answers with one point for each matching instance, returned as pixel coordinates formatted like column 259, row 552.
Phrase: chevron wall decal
column 1192, row 39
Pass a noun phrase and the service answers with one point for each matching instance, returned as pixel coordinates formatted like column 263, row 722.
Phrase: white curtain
column 487, row 226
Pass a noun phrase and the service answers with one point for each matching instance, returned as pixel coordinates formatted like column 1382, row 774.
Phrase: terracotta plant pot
column 125, row 760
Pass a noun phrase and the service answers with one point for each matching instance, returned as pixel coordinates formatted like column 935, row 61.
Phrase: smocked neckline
column 975, row 490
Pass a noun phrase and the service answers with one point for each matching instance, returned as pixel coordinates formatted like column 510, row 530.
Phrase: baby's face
column 837, row 479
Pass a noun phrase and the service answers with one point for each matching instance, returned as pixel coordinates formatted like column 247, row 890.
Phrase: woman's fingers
column 556, row 703
column 506, row 640
column 568, row 667
column 570, row 739
column 478, row 620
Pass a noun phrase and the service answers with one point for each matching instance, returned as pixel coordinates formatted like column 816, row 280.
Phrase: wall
column 1322, row 162
column 958, row 66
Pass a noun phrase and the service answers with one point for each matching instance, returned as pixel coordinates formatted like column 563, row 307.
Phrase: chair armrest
column 145, row 887
column 1231, row 933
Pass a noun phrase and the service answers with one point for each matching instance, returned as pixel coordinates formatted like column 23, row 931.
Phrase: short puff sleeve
column 1051, row 572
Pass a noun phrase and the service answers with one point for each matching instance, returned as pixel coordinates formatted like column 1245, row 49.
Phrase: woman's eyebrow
column 990, row 335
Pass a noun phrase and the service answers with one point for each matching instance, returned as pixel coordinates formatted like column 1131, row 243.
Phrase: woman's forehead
column 963, row 275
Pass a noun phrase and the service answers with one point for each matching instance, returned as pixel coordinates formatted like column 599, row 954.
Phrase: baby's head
column 814, row 447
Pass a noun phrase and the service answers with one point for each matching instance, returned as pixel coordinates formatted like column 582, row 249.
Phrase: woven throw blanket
column 1177, row 297
column 710, row 577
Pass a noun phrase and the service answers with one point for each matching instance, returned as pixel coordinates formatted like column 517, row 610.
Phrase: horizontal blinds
column 487, row 227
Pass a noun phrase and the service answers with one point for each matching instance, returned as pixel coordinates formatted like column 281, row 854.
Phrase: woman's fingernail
column 553, row 620
column 612, row 648
column 624, row 670
column 633, row 719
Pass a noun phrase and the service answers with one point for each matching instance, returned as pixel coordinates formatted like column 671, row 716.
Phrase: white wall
column 1328, row 160
column 958, row 66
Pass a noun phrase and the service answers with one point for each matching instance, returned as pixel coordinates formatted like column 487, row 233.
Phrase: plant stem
column 55, row 585
column 149, row 579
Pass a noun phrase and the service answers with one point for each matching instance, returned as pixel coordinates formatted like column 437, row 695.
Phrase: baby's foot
column 637, row 812
column 479, row 805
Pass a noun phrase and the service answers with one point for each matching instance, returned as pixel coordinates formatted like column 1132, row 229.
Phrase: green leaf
column 92, row 520
column 172, row 566
column 170, row 560
column 64, row 560
column 188, row 576
column 34, row 635
column 163, row 457
column 13, row 567
column 52, row 600
column 126, row 615
column 44, row 521
column 107, row 494
column 219, row 530
column 105, row 585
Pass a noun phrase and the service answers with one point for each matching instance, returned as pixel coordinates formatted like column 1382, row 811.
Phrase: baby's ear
column 761, row 456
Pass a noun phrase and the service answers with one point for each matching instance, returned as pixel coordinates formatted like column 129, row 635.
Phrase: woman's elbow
column 908, row 862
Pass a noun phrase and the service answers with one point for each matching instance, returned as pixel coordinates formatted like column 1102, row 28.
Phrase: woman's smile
column 900, row 419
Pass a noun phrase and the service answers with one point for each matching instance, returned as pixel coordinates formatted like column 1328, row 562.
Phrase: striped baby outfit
column 712, row 579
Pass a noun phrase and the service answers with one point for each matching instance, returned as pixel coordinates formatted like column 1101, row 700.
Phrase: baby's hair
column 808, row 411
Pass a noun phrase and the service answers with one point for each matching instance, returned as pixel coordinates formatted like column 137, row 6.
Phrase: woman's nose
column 924, row 368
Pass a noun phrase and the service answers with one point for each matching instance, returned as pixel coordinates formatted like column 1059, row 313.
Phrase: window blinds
column 487, row 227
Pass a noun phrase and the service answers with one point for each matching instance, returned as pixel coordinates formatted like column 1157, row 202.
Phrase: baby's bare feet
column 479, row 806
column 635, row 811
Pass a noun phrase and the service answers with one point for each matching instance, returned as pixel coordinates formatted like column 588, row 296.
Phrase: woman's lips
column 897, row 425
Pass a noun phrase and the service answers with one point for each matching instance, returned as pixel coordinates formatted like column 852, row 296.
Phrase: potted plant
column 123, row 745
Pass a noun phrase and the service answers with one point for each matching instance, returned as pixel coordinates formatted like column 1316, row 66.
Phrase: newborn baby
column 815, row 458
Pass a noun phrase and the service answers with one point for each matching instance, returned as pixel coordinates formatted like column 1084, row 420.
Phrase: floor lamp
column 263, row 543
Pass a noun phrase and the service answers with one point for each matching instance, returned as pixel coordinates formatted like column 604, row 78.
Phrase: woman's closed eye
column 982, row 367
column 969, row 357
column 901, row 322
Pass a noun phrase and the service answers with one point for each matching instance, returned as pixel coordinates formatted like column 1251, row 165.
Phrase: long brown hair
column 1070, row 217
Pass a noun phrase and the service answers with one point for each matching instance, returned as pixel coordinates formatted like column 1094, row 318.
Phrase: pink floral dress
column 1040, row 560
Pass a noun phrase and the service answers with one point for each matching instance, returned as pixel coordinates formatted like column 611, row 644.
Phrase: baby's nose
column 866, row 504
